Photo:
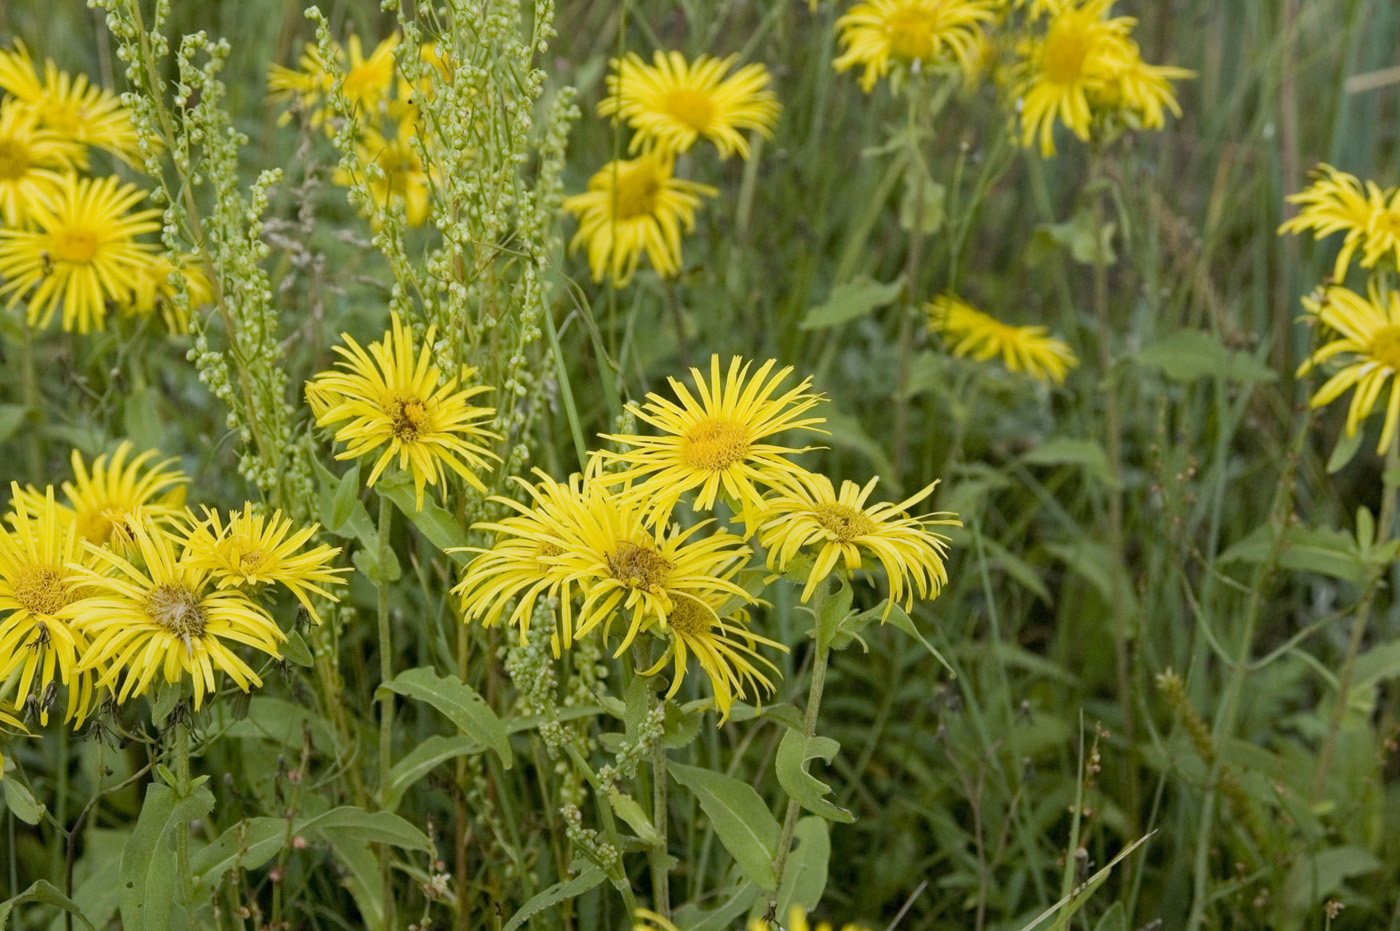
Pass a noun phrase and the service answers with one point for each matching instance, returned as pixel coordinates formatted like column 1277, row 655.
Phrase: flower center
column 546, row 550
column 714, row 443
column 688, row 618
column 1067, row 46
column 409, row 417
column 691, row 107
column 1385, row 347
column 639, row 566
column 40, row 589
column 75, row 246
column 844, row 522
column 1386, row 223
column 14, row 160
column 178, row 610
column 637, row 190
column 911, row 29
column 250, row 558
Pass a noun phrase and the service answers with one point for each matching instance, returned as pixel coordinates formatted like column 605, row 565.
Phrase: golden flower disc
column 638, row 566
column 714, row 443
column 178, row 609
column 844, row 522
column 41, row 590
column 1067, row 46
column 637, row 189
column 691, row 107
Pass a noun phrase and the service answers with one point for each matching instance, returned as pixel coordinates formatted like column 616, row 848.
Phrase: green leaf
column 148, row 868
column 361, row 878
column 1187, row 355
column 357, row 524
column 804, row 874
column 901, row 620
column 1315, row 878
column 694, row 918
column 423, row 759
column 851, row 300
column 1305, row 549
column 1344, row 451
column 999, row 557
column 295, row 650
column 42, row 893
column 22, row 802
column 459, row 702
column 801, row 786
column 741, row 820
column 1115, row 919
column 559, row 892
column 248, row 845
column 11, row 417
column 1077, row 235
column 141, row 418
column 351, row 824
column 366, row 560
column 1086, row 454
column 1065, row 909
column 347, row 495
column 283, row 722
column 932, row 213
column 834, row 609
column 433, row 521
column 626, row 808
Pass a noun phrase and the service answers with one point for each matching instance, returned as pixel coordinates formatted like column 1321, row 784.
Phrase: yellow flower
column 33, row 161
column 724, row 648
column 81, row 254
column 1134, row 89
column 1078, row 56
column 633, row 207
column 797, row 921
column 644, row 919
column 392, row 401
column 69, row 105
column 676, row 102
column 158, row 615
column 39, row 560
column 716, row 442
column 106, row 501
column 155, row 289
column 969, row 332
column 1368, row 350
column 912, row 33
column 402, row 181
column 254, row 550
column 810, row 514
column 1337, row 202
column 368, row 82
column 520, row 563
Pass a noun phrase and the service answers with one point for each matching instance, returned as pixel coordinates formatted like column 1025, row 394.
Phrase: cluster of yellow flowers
column 67, row 239
column 120, row 581
column 1072, row 61
column 388, row 111
column 1365, row 348
column 637, row 205
column 605, row 541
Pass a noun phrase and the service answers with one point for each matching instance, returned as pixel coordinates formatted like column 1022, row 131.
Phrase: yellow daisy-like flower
column 725, row 649
column 39, row 559
column 715, row 443
column 1367, row 348
column 369, row 81
column 1078, row 56
column 520, row 563
column 797, row 921
column 1337, row 202
column 633, row 207
column 33, row 161
column 393, row 401
column 155, row 289
column 675, row 102
column 913, row 33
column 68, row 105
column 1029, row 349
column 252, row 550
column 810, row 514
column 159, row 615
column 105, row 501
column 81, row 253
column 1138, row 91
column 402, row 180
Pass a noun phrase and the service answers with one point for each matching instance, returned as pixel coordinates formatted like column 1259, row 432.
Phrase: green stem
column 31, row 402
column 386, row 701
column 1358, row 627
column 809, row 730
column 660, row 879
column 915, row 164
column 182, row 789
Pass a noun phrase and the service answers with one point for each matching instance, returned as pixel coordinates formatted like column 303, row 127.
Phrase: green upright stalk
column 30, row 381
column 61, row 804
column 182, row 781
column 386, row 701
column 916, row 92
column 660, row 879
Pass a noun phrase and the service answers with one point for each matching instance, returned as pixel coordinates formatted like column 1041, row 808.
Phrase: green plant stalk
column 660, row 881
column 1113, row 427
column 1358, row 629
column 911, row 274
column 32, row 402
column 386, row 701
column 182, row 788
column 809, row 730
column 61, row 804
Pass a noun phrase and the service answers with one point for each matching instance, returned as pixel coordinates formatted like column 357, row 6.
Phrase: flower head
column 155, row 289
column 40, row 556
column 68, row 105
column 879, row 34
column 1367, row 348
column 107, row 499
column 81, row 254
column 254, row 550
column 969, row 332
column 401, row 182
column 368, row 81
column 633, row 207
column 809, row 514
column 33, row 161
column 386, row 399
column 673, row 102
column 159, row 615
column 717, row 442
column 1337, row 202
